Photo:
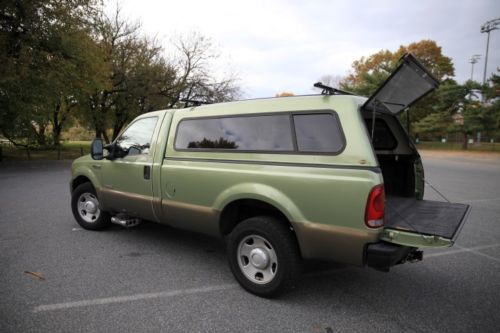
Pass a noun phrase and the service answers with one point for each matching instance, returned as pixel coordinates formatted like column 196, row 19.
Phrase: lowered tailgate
column 423, row 223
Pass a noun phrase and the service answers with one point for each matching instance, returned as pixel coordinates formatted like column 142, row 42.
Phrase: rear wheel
column 263, row 256
column 86, row 209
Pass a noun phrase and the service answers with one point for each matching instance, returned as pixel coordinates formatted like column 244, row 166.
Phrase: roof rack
column 327, row 90
column 193, row 102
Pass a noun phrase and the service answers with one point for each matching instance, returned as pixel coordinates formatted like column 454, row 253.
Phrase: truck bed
column 424, row 216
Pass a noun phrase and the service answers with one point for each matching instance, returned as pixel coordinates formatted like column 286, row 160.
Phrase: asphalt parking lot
column 56, row 277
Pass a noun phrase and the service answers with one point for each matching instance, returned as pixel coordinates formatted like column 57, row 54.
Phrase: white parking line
column 479, row 200
column 467, row 249
column 165, row 294
column 474, row 250
column 136, row 297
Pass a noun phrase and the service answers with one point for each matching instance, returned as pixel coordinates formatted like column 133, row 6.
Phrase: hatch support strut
column 375, row 103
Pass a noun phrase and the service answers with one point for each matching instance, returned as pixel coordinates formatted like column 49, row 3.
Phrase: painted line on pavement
column 462, row 249
column 478, row 200
column 475, row 251
column 130, row 298
column 193, row 291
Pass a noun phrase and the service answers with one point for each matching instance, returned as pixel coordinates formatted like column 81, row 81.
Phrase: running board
column 125, row 221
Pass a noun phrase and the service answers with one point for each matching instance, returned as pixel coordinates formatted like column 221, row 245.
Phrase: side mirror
column 113, row 150
column 96, row 149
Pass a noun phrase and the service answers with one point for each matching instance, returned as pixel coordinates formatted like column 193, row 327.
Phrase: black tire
column 281, row 273
column 89, row 217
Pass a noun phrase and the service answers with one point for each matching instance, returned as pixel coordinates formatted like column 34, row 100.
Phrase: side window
column 242, row 133
column 318, row 132
column 137, row 137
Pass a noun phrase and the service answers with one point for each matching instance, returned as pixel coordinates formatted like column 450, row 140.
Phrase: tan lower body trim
column 190, row 217
column 340, row 244
column 128, row 203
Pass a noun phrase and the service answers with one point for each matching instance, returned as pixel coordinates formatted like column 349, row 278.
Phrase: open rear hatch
column 410, row 82
column 408, row 221
column 423, row 223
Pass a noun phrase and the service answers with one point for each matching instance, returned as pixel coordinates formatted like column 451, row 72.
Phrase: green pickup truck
column 331, row 176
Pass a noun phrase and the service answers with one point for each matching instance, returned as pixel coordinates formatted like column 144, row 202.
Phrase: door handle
column 147, row 172
column 96, row 166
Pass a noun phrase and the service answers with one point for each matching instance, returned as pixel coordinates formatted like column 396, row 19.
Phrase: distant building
column 458, row 118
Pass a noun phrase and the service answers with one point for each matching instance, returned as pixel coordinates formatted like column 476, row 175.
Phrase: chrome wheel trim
column 88, row 207
column 257, row 259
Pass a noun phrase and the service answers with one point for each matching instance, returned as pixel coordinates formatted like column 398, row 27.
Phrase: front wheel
column 263, row 256
column 86, row 209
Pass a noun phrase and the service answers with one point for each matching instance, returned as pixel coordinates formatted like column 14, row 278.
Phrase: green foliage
column 458, row 110
column 491, row 110
column 435, row 123
column 65, row 61
column 45, row 65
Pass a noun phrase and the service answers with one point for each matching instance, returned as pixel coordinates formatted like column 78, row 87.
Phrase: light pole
column 487, row 27
column 473, row 60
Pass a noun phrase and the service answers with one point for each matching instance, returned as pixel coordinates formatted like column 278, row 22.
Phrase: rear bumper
column 382, row 255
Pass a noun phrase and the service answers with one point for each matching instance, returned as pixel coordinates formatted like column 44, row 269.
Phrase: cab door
column 127, row 175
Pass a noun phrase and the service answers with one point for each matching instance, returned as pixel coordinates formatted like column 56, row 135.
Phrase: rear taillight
column 375, row 206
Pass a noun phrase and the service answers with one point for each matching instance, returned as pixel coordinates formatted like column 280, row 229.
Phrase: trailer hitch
column 415, row 256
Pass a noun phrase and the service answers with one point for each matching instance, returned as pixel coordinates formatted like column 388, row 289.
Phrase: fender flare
column 261, row 192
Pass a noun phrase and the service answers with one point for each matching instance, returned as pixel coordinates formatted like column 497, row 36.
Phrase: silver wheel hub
column 88, row 207
column 91, row 207
column 257, row 259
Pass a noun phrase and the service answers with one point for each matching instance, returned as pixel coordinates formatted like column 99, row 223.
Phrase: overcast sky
column 278, row 45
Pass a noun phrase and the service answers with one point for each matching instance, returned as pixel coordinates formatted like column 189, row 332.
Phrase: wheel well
column 79, row 181
column 240, row 210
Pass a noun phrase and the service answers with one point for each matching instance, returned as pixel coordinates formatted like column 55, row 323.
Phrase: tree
column 369, row 72
column 491, row 109
column 64, row 60
column 457, row 109
column 194, row 77
column 142, row 72
column 74, row 77
column 38, row 42
column 115, row 38
column 142, row 79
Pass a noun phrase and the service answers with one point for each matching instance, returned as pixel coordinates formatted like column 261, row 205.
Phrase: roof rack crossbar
column 327, row 90
column 193, row 102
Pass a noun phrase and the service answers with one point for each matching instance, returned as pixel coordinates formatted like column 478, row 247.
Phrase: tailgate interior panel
column 424, row 216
